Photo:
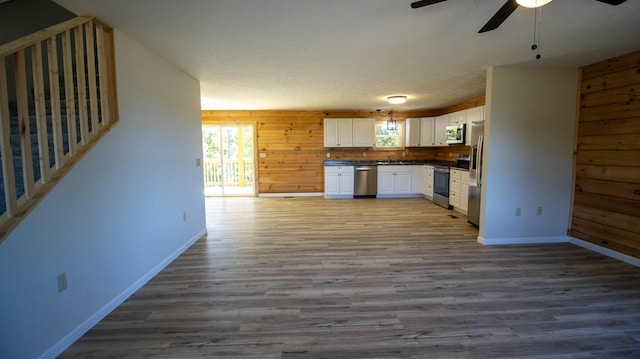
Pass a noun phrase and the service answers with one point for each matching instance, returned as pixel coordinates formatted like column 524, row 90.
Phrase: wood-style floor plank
column 371, row 278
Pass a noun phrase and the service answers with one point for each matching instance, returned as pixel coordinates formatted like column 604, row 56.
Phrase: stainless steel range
column 441, row 186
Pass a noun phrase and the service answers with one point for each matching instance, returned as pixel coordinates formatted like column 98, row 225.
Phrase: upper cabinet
column 349, row 132
column 473, row 114
column 440, row 130
column 364, row 132
column 419, row 132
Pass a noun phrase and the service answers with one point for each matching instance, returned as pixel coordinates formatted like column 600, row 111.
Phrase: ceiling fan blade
column 500, row 16
column 612, row 2
column 422, row 3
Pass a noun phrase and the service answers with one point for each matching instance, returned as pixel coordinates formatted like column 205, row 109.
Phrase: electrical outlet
column 184, row 215
column 62, row 281
column 328, row 154
column 364, row 154
column 263, row 155
column 539, row 211
column 198, row 161
column 518, row 212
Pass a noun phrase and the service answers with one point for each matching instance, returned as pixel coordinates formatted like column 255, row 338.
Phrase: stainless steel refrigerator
column 475, row 171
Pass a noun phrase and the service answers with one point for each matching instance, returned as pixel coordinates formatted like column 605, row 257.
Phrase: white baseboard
column 521, row 240
column 307, row 194
column 606, row 251
column 75, row 334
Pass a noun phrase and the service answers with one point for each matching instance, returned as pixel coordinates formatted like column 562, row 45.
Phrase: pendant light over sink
column 392, row 125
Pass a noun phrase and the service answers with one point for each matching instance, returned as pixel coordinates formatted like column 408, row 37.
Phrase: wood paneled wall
column 606, row 209
column 293, row 143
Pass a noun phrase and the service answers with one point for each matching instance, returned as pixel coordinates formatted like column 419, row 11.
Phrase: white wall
column 529, row 132
column 112, row 222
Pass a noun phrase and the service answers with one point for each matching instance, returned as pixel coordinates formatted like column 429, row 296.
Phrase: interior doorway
column 228, row 165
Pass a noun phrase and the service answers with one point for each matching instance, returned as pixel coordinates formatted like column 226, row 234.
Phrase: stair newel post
column 54, row 88
column 41, row 111
column 24, row 126
column 5, row 145
column 69, row 85
column 81, row 79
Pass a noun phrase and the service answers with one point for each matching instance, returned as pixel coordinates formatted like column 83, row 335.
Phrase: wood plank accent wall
column 606, row 209
column 293, row 142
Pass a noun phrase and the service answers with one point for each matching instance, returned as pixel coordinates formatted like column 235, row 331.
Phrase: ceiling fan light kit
column 532, row 3
column 509, row 7
column 396, row 99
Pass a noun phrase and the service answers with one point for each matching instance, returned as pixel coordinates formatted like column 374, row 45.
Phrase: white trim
column 305, row 194
column 75, row 334
column 521, row 240
column 606, row 251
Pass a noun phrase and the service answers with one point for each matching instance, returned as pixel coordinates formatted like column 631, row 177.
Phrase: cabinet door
column 473, row 114
column 402, row 180
column 345, row 133
column 416, row 179
column 440, row 133
column 427, row 130
column 346, row 181
column 413, row 132
column 385, row 181
column 458, row 117
column 331, row 132
column 331, row 181
column 364, row 132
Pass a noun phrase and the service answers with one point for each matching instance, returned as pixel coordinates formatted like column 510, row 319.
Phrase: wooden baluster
column 9, row 179
column 83, row 113
column 56, row 115
column 69, row 92
column 91, row 73
column 22, row 98
column 41, row 111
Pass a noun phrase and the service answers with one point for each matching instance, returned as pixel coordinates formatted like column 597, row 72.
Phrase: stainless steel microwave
column 455, row 134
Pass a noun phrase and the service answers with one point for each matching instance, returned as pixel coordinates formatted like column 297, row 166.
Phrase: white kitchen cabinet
column 459, row 190
column 416, row 180
column 458, row 117
column 349, row 132
column 364, row 132
column 338, row 181
column 440, row 130
column 427, row 131
column 413, row 132
column 419, row 132
column 473, row 114
column 394, row 181
column 338, row 132
column 427, row 180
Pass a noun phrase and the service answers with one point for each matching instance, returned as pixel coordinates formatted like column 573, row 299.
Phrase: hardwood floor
column 396, row 278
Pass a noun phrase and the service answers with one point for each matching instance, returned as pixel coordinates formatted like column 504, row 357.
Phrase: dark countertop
column 451, row 164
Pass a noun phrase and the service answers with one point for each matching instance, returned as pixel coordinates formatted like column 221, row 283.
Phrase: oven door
column 441, row 186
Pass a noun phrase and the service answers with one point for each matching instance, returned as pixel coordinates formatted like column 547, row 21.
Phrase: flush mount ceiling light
column 396, row 100
column 532, row 3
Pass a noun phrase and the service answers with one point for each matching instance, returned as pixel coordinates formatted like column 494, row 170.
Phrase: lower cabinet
column 338, row 181
column 427, row 180
column 394, row 181
column 459, row 190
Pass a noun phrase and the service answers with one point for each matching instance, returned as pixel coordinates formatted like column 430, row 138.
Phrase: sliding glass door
column 228, row 164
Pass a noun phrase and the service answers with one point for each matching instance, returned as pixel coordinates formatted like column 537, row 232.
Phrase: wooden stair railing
column 57, row 99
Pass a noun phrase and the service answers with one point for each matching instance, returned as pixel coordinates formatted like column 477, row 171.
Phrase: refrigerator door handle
column 479, row 160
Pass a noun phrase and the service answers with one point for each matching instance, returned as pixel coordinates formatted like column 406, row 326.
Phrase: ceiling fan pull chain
column 537, row 23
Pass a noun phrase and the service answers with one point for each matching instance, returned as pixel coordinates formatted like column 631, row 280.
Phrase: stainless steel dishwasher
column 365, row 182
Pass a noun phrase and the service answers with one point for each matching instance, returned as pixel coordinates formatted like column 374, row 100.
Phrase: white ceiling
column 351, row 54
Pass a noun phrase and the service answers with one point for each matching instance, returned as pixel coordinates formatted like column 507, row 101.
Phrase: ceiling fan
column 503, row 13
